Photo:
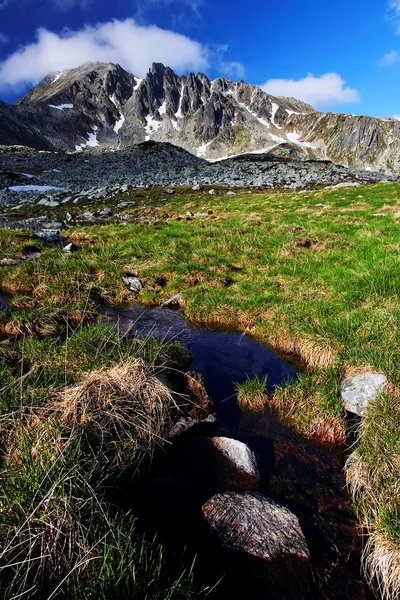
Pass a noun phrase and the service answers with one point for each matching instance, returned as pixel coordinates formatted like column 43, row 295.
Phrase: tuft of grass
column 124, row 412
column 251, row 394
column 74, row 416
column 372, row 472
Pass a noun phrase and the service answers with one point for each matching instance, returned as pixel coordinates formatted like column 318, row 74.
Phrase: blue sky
column 338, row 55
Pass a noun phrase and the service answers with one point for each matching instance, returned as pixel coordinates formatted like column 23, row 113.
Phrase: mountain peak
column 102, row 104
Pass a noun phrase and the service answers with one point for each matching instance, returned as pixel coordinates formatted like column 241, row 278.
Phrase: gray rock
column 170, row 191
column 132, row 283
column 230, row 193
column 50, row 203
column 52, row 225
column 81, row 200
column 360, row 390
column 71, row 247
column 269, row 534
column 173, row 301
column 52, row 240
column 212, row 192
column 197, row 187
column 237, row 464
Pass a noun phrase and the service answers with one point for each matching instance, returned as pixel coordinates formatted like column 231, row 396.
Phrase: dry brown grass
column 372, row 473
column 251, row 402
column 303, row 410
column 307, row 351
column 124, row 411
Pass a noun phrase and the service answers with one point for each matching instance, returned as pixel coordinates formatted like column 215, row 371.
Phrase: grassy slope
column 315, row 275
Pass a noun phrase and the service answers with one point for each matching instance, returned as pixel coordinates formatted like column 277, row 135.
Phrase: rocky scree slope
column 101, row 104
column 27, row 175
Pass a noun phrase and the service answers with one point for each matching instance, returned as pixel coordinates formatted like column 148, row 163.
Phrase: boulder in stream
column 269, row 534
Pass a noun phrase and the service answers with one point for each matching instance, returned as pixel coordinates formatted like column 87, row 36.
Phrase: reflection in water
column 222, row 357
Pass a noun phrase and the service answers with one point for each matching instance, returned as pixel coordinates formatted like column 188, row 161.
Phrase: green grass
column 315, row 275
column 251, row 394
column 74, row 416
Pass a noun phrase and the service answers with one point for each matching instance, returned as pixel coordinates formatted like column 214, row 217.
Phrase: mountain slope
column 102, row 104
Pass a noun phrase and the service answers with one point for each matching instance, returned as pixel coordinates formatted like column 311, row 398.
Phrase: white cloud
column 389, row 59
column 133, row 46
column 397, row 117
column 395, row 5
column 326, row 90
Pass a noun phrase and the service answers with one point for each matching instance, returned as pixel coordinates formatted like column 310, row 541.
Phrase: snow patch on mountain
column 92, row 141
column 61, row 106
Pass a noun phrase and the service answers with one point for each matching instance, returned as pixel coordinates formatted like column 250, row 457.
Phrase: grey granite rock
column 269, row 534
column 360, row 390
column 132, row 283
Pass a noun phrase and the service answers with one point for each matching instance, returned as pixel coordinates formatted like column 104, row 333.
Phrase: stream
column 302, row 475
column 222, row 357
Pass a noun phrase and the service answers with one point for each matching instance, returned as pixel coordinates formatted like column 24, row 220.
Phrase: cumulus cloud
column 131, row 45
column 326, row 90
column 395, row 5
column 389, row 59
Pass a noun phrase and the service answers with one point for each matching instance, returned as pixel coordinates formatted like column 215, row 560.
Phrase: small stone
column 81, row 200
column 360, row 390
column 173, row 301
column 71, row 247
column 212, row 192
column 197, row 187
column 132, row 283
column 170, row 191
column 230, row 193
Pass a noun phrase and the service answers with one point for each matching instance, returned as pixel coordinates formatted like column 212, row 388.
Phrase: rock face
column 359, row 391
column 102, row 104
column 267, row 531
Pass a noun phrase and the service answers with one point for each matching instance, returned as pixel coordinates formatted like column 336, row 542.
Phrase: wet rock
column 132, row 283
column 236, row 463
column 184, row 424
column 269, row 534
column 201, row 403
column 358, row 391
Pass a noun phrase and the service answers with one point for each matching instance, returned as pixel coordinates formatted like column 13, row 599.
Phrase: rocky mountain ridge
column 101, row 104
